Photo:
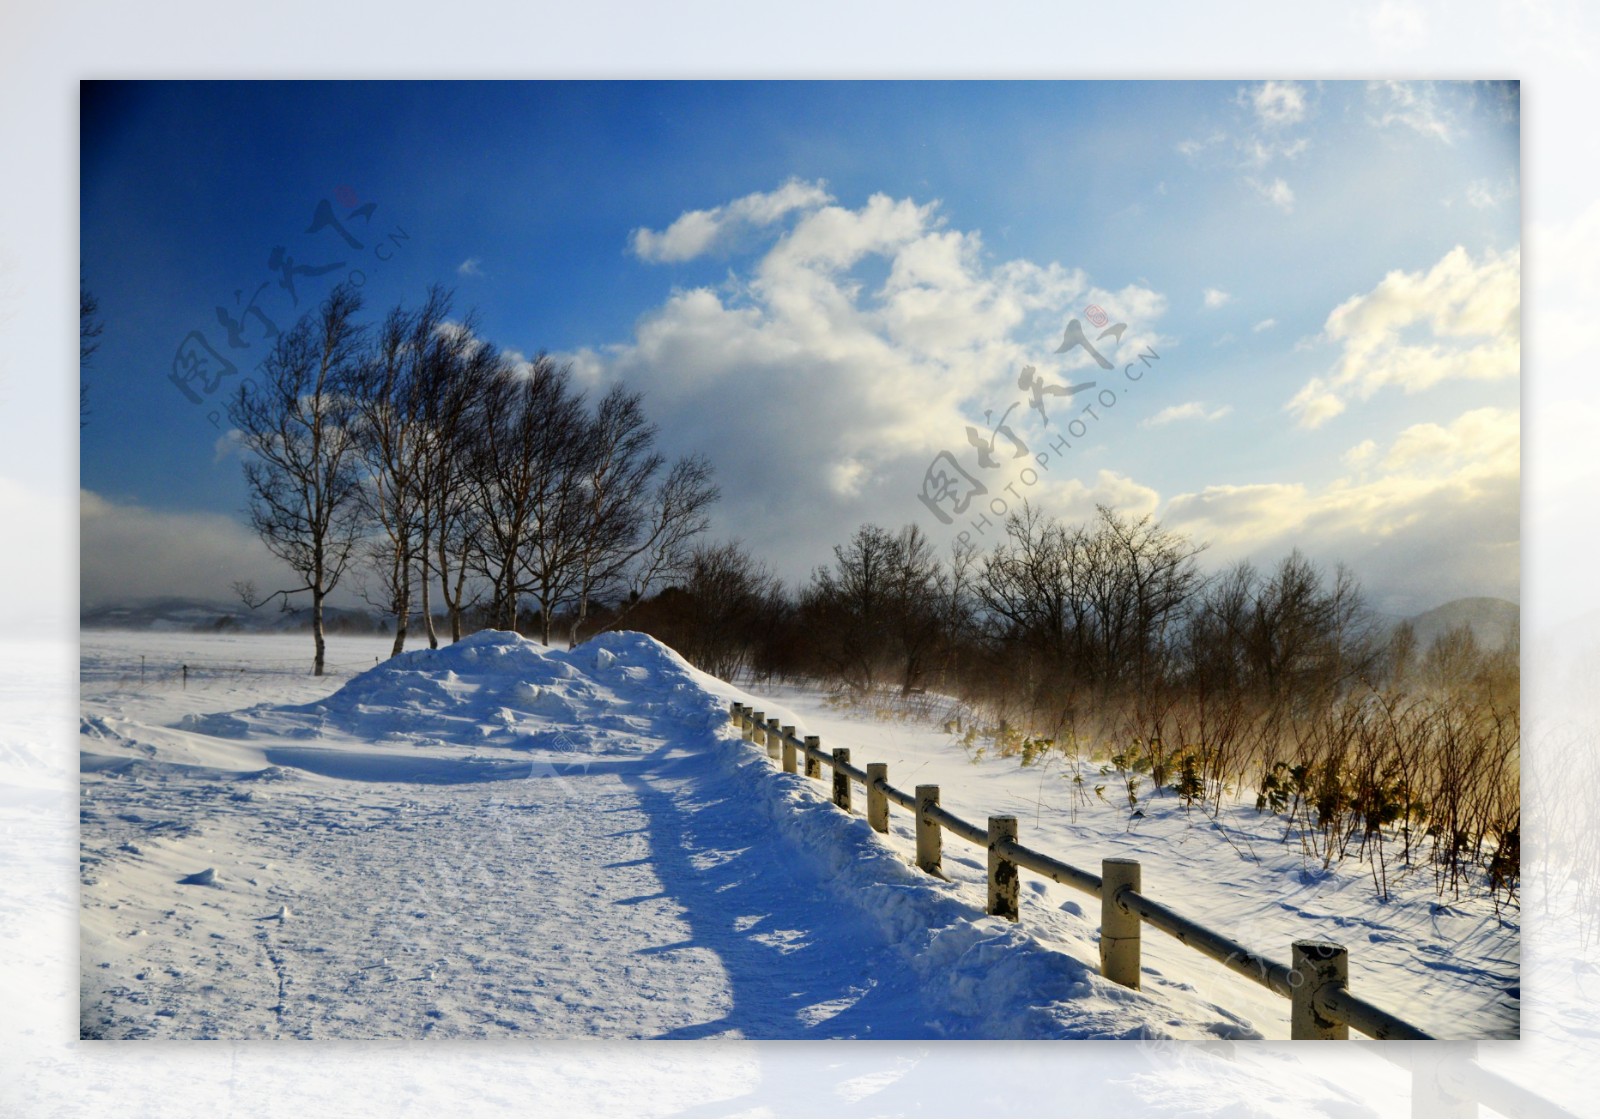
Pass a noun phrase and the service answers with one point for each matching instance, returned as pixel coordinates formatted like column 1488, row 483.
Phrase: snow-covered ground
column 494, row 841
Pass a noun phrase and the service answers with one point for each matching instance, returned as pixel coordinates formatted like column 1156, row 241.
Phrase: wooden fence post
column 1119, row 929
column 928, row 838
column 1003, row 884
column 813, row 767
column 746, row 728
column 774, row 737
column 1316, row 965
column 877, row 800
column 841, row 780
column 788, row 750
column 758, row 728
column 733, row 713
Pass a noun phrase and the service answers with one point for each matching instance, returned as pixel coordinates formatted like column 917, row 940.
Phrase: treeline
column 1105, row 644
column 420, row 456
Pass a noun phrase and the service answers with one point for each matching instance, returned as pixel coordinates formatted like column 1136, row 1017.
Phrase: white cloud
column 227, row 445
column 1459, row 320
column 1190, row 410
column 130, row 552
column 1277, row 103
column 1277, row 192
column 1216, row 297
column 472, row 266
column 701, row 231
column 1360, row 454
column 1484, row 195
column 1438, row 518
column 1314, row 405
column 1264, row 325
column 1193, row 147
column 829, row 371
column 1418, row 106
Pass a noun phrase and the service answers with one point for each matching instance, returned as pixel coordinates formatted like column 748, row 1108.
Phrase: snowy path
column 496, row 840
column 493, row 840
column 612, row 890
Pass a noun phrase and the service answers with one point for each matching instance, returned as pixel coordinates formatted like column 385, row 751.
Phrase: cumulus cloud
column 697, row 232
column 1216, row 297
column 1459, row 320
column 1360, row 454
column 472, row 266
column 1189, row 410
column 130, row 552
column 1434, row 514
column 856, row 345
column 1277, row 103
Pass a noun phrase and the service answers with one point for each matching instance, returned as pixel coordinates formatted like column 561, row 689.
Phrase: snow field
column 782, row 918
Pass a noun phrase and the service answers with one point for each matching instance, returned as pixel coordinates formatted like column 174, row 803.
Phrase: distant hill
column 1495, row 623
column 202, row 615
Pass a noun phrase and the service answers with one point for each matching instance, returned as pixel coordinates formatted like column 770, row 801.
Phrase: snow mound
column 497, row 689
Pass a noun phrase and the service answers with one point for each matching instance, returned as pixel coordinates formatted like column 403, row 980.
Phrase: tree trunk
column 452, row 602
column 316, row 632
column 427, row 606
column 402, row 602
column 455, row 605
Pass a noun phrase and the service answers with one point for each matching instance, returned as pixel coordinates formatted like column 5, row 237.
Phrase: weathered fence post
column 774, row 737
column 758, row 728
column 1003, row 884
column 1316, row 965
column 746, row 727
column 788, row 750
column 733, row 712
column 1119, row 929
column 928, row 846
column 877, row 800
column 813, row 766
column 841, row 780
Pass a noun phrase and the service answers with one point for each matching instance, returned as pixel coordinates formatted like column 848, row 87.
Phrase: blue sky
column 1328, row 271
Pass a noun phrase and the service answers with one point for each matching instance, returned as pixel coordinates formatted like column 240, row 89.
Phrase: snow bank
column 997, row 980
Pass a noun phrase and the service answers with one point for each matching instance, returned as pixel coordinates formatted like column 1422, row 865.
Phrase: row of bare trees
column 418, row 452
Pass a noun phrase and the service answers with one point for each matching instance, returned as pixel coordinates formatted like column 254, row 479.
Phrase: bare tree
column 389, row 390
column 677, row 514
column 632, row 531
column 522, row 465
column 617, row 465
column 730, row 596
column 304, row 478
column 453, row 412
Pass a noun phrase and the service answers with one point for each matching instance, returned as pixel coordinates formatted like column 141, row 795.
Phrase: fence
column 1316, row 981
